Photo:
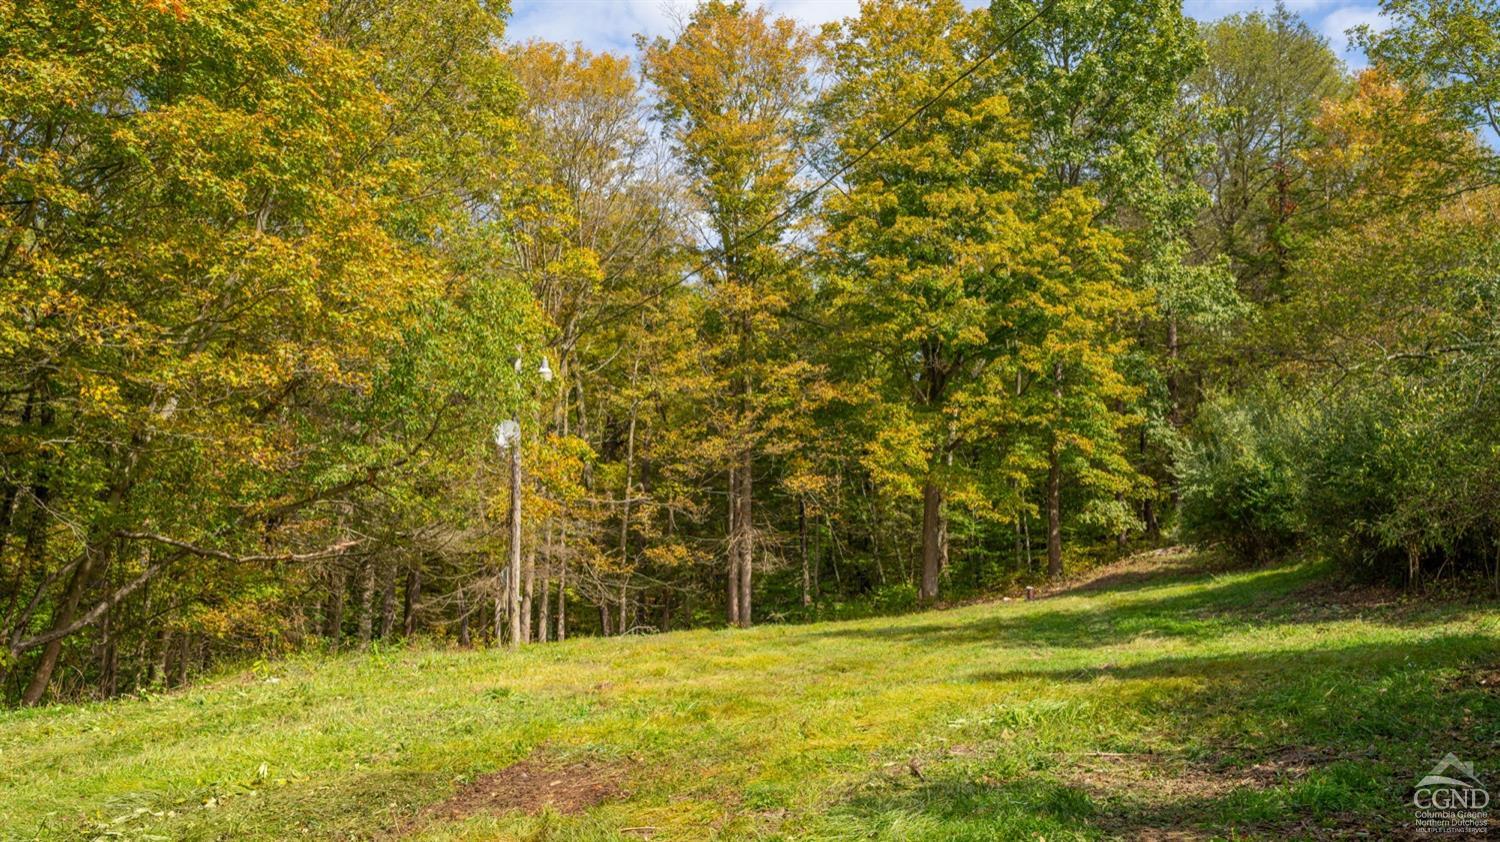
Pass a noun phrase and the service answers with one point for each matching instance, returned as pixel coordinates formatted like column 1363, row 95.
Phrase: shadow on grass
column 1150, row 570
column 1366, row 660
column 959, row 809
column 1316, row 807
column 1093, row 619
column 1309, row 743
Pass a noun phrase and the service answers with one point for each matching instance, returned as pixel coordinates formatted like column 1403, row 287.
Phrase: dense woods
column 923, row 305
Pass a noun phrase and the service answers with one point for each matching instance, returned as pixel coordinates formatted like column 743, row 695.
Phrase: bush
column 1403, row 478
column 1238, row 478
column 1393, row 478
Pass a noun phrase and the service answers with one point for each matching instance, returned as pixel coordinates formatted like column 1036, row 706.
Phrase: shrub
column 1403, row 478
column 1239, row 482
column 1393, row 478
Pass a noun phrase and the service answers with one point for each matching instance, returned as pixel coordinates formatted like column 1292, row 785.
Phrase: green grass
column 1232, row 705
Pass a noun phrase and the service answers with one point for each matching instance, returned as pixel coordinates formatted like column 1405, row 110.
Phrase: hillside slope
column 1154, row 702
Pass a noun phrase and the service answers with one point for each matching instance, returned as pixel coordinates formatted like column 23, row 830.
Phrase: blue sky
column 612, row 24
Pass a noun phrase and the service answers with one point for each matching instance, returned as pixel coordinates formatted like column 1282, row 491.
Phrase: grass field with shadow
column 1159, row 701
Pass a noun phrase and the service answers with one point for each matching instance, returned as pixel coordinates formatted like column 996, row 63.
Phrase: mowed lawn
column 1160, row 700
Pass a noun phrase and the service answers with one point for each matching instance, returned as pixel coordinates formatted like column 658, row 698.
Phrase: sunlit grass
column 1241, row 703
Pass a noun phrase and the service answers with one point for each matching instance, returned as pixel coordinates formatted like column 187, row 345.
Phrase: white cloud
column 613, row 24
column 597, row 24
column 815, row 12
column 1337, row 23
column 1330, row 18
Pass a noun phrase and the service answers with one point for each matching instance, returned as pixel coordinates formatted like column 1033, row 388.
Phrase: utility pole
column 513, row 583
column 508, row 439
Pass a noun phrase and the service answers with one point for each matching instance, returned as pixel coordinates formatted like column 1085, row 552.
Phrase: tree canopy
column 838, row 320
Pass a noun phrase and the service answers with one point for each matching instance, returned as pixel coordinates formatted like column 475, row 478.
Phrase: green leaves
column 965, row 273
column 220, row 270
column 1445, row 52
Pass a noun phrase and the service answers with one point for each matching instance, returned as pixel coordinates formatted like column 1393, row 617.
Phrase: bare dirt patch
column 1156, row 796
column 1134, row 570
column 1336, row 599
column 1162, row 778
column 1484, row 679
column 1483, row 676
column 528, row 786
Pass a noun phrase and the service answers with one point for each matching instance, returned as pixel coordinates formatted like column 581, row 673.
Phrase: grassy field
column 1157, row 702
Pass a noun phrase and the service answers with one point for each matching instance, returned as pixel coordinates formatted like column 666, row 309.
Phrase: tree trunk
column 833, row 556
column 463, row 619
column 366, row 602
column 1026, row 539
column 94, row 564
column 1122, row 538
column 108, row 660
column 1054, row 513
column 562, row 589
column 746, row 541
column 1496, row 580
column 42, row 677
column 802, row 551
column 498, row 616
column 143, row 648
column 943, row 535
column 528, row 584
column 410, row 598
column 1019, row 517
column 35, row 540
column 1054, row 483
column 544, row 611
column 159, row 665
column 733, row 600
column 932, row 503
column 629, row 484
column 501, row 619
column 184, row 658
column 387, row 598
column 1174, row 398
column 11, row 502
column 624, row 604
column 8, row 507
column 333, row 616
column 942, row 540
column 817, row 566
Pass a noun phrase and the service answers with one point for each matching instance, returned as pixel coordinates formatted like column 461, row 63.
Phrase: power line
column 797, row 203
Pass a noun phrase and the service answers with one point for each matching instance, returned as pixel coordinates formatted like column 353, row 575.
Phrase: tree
column 598, row 230
column 1265, row 78
column 920, row 238
column 1376, row 434
column 1445, row 53
column 964, row 289
column 1098, row 82
column 733, row 87
column 212, row 272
